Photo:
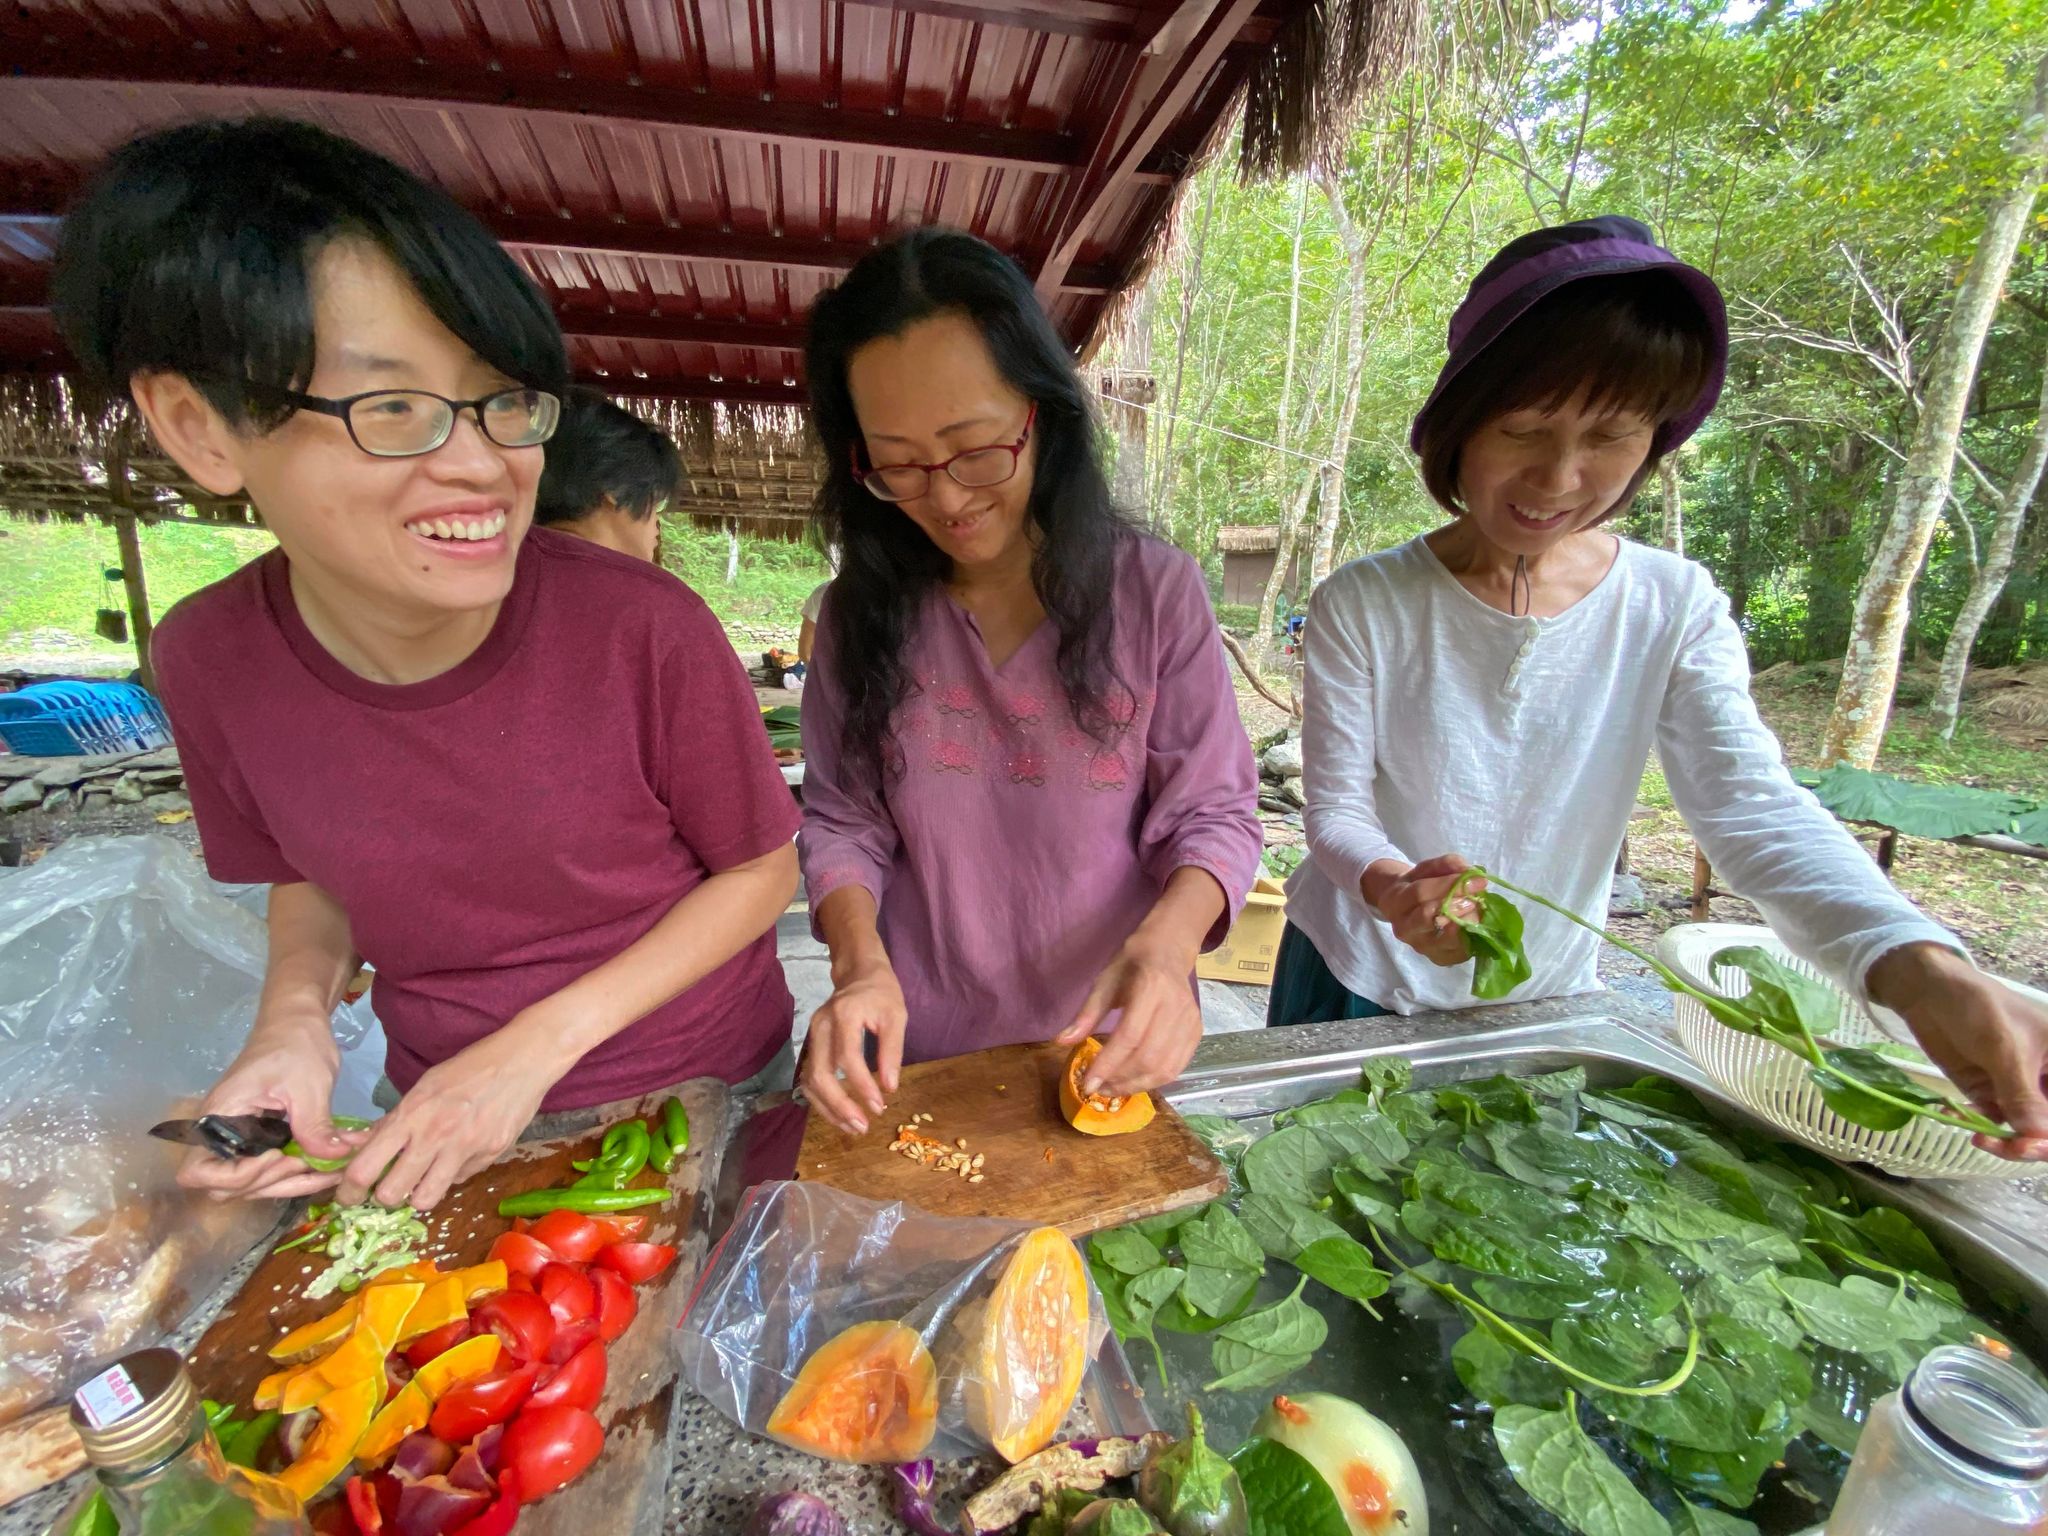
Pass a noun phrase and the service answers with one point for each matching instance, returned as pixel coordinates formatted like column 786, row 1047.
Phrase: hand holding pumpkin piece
column 1160, row 1027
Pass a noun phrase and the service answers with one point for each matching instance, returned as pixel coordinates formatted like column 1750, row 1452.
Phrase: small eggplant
column 796, row 1514
column 1191, row 1490
column 913, row 1483
column 1113, row 1517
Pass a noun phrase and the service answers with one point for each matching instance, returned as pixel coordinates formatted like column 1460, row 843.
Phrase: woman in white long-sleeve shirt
column 1489, row 693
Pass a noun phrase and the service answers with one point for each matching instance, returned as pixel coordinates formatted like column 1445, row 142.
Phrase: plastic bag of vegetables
column 865, row 1332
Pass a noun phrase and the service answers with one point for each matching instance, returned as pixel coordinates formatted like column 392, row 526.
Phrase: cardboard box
column 1248, row 952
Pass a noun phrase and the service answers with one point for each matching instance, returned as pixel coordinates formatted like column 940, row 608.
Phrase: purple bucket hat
column 1543, row 261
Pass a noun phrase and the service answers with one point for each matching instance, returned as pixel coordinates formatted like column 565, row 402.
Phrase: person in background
column 1489, row 693
column 608, row 478
column 1029, row 800
column 807, row 633
column 521, row 775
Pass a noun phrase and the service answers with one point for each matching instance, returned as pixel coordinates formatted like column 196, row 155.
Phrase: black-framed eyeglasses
column 976, row 468
column 402, row 423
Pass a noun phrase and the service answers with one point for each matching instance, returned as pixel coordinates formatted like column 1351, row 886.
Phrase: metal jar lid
column 137, row 1412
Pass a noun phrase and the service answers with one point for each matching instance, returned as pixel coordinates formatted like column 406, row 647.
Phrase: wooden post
column 138, row 595
column 1702, row 884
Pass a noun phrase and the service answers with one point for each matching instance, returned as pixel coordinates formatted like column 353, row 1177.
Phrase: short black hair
column 190, row 252
column 1635, row 341
column 599, row 450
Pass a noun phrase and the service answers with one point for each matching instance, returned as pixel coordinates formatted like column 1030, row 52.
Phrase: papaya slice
column 408, row 1410
column 1095, row 1114
column 443, row 1301
column 345, row 1416
column 869, row 1394
column 1030, row 1350
column 310, row 1338
column 472, row 1357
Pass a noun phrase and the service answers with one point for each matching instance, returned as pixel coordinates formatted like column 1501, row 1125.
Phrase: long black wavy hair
column 888, row 567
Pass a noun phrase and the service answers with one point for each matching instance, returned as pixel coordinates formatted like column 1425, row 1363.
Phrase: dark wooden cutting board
column 626, row 1489
column 1006, row 1103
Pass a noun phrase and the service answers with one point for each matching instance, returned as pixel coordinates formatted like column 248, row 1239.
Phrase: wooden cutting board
column 626, row 1489
column 1006, row 1103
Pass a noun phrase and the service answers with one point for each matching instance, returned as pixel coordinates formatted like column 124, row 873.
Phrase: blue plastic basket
column 82, row 719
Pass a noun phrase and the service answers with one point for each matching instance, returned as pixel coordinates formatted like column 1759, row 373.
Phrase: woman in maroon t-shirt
column 521, row 775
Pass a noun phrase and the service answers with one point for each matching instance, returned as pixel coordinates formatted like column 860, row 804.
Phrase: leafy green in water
column 1268, row 1345
column 1560, row 1467
column 1288, row 1497
column 1342, row 1264
column 1284, row 1227
column 1126, row 1251
column 1223, row 1263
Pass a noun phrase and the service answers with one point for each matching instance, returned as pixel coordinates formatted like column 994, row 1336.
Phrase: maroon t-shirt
column 495, row 832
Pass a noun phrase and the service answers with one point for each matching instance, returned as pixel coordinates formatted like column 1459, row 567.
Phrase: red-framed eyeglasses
column 976, row 468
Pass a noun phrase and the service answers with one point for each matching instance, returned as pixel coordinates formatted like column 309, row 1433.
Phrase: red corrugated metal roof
column 683, row 178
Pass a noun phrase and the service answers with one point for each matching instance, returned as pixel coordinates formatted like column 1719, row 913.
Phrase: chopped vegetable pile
column 363, row 1241
column 1655, row 1308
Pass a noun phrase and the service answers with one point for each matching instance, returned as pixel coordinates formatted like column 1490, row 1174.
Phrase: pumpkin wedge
column 868, row 1394
column 345, row 1415
column 1028, row 1346
column 408, row 1410
column 472, row 1357
column 1095, row 1114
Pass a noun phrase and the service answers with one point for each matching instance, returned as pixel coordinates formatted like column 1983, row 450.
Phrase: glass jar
column 1960, row 1448
column 160, row 1471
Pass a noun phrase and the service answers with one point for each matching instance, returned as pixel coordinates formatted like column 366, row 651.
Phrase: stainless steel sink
column 2004, row 1261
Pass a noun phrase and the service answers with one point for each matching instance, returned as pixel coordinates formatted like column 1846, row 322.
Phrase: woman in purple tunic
column 1029, row 801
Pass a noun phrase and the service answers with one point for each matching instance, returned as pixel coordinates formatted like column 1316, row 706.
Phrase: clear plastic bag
column 1005, row 1320
column 127, row 985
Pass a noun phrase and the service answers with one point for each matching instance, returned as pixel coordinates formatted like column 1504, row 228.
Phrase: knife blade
column 229, row 1136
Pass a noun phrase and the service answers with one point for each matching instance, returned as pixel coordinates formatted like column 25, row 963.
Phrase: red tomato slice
column 567, row 1291
column 500, row 1517
column 615, row 1303
column 570, row 1337
column 523, row 1323
column 439, row 1342
column 362, row 1508
column 548, row 1448
column 521, row 1255
column 571, row 1234
column 623, row 1226
column 471, row 1407
column 638, row 1262
column 577, row 1381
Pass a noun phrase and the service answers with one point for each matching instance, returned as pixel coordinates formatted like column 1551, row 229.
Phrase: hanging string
column 1518, row 588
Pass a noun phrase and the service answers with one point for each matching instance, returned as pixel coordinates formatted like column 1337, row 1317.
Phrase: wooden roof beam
column 1175, row 61
column 312, row 80
column 663, row 242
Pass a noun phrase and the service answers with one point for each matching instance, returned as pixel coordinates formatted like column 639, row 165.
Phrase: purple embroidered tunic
column 1014, row 853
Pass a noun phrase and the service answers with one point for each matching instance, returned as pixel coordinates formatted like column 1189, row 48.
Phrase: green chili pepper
column 675, row 1124
column 94, row 1518
column 246, row 1444
column 661, row 1156
column 326, row 1164
column 217, row 1414
column 538, row 1202
column 625, row 1160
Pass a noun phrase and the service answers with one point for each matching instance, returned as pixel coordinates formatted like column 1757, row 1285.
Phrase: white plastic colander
column 1772, row 1082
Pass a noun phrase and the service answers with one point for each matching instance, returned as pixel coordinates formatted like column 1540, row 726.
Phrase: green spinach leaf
column 1284, row 1495
column 1560, row 1467
column 1125, row 1251
column 1267, row 1346
column 1283, row 1227
column 1293, row 1163
column 1342, row 1264
column 1494, row 935
column 1223, row 1263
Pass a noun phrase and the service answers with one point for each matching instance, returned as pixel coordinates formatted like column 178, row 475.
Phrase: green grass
column 774, row 578
column 51, row 585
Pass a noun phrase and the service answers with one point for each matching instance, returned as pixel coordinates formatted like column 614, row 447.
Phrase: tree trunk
column 1269, row 600
column 1674, row 507
column 1132, row 384
column 732, row 554
column 129, row 537
column 1989, row 578
column 1357, row 250
column 1870, row 670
